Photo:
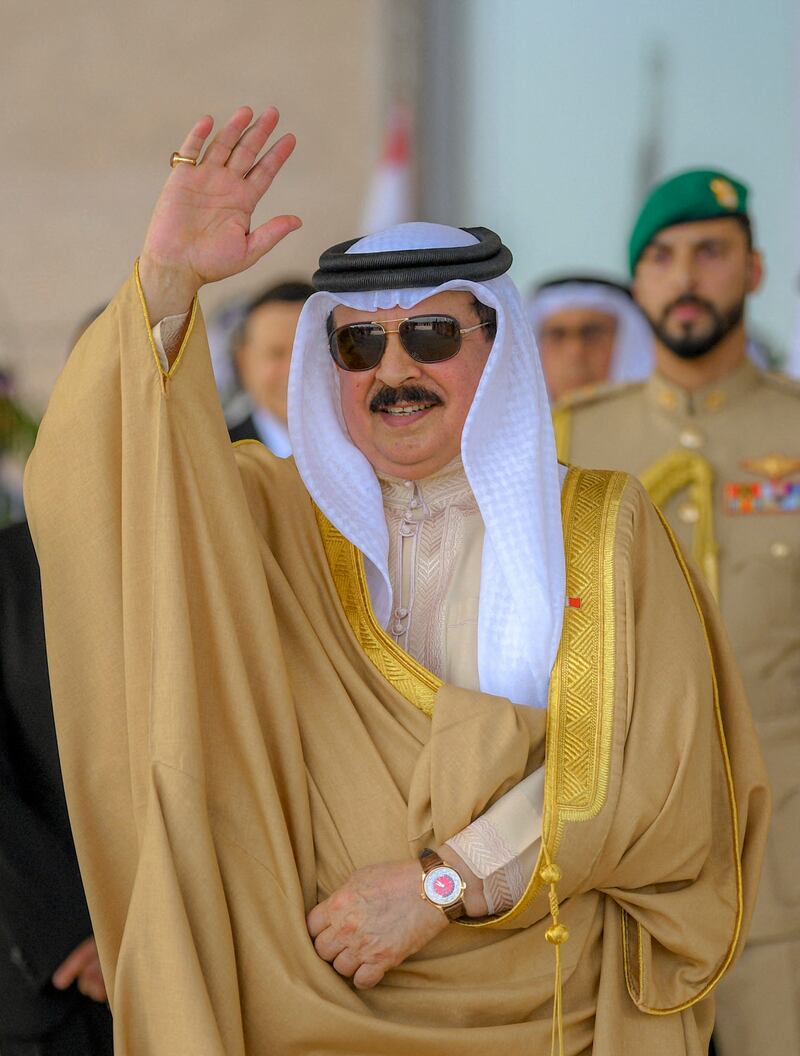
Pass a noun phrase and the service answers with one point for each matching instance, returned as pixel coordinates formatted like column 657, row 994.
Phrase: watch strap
column 429, row 859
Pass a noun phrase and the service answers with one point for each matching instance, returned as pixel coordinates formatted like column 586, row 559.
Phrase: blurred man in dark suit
column 52, row 994
column 263, row 354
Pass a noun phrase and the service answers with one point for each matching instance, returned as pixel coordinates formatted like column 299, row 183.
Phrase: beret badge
column 725, row 193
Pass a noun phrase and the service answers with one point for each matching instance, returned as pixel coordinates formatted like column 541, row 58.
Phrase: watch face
column 442, row 886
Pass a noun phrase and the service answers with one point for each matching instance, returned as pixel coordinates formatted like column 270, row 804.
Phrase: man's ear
column 755, row 270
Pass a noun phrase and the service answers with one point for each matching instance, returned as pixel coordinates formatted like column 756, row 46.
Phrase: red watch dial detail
column 444, row 885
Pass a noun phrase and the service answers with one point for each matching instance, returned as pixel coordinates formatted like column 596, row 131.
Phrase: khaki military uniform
column 723, row 463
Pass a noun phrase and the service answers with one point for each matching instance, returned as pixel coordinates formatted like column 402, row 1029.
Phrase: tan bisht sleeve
column 128, row 456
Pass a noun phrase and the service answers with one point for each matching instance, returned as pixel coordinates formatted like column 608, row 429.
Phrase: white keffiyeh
column 509, row 458
column 633, row 357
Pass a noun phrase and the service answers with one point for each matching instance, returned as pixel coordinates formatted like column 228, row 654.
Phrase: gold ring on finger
column 177, row 158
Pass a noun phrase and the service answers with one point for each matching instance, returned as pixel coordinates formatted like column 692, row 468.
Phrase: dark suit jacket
column 43, row 914
column 244, row 430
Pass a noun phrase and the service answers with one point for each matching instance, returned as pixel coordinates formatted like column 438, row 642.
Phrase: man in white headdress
column 341, row 732
column 588, row 331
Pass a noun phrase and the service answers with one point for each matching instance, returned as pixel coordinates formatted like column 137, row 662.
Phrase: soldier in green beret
column 716, row 441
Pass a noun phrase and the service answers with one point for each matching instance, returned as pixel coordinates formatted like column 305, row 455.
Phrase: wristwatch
column 442, row 885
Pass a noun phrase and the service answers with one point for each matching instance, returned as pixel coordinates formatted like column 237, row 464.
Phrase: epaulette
column 595, row 394
column 776, row 380
column 584, row 397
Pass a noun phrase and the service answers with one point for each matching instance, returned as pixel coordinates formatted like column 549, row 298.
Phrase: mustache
column 388, row 397
column 689, row 299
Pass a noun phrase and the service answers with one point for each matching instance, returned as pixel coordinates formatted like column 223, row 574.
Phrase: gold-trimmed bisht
column 734, row 815
column 164, row 375
column 580, row 701
column 346, row 562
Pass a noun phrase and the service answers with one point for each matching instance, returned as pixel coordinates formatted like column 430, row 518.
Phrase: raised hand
column 200, row 228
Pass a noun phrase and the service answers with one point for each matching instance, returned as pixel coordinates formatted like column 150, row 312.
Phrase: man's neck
column 716, row 364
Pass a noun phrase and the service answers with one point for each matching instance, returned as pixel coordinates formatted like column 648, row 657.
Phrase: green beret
column 697, row 194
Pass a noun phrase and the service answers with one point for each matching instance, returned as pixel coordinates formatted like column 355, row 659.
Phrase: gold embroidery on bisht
column 580, row 709
column 346, row 562
column 581, row 699
column 581, row 693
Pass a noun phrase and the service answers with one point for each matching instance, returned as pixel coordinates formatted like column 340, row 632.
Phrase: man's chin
column 690, row 341
column 410, row 461
column 690, row 347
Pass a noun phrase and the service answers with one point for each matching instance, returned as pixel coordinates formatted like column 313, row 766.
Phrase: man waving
column 354, row 741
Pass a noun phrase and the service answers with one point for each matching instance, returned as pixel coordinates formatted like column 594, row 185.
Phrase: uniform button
column 692, row 438
column 668, row 400
column 689, row 513
column 779, row 549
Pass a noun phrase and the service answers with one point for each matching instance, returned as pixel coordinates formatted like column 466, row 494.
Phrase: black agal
column 342, row 272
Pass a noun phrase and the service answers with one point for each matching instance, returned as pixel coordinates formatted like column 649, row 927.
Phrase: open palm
column 200, row 229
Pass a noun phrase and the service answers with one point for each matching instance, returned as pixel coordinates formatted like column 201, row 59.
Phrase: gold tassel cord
column 557, row 934
column 685, row 469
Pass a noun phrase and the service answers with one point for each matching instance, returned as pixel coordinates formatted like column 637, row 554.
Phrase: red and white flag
column 390, row 198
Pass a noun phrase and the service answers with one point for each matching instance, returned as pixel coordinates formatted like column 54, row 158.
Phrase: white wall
column 556, row 104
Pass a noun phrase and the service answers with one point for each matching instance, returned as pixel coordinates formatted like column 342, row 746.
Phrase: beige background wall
column 96, row 94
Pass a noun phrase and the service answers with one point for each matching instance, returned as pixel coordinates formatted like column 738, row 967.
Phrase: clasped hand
column 374, row 922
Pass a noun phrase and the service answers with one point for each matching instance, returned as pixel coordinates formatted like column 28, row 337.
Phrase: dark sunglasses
column 426, row 338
